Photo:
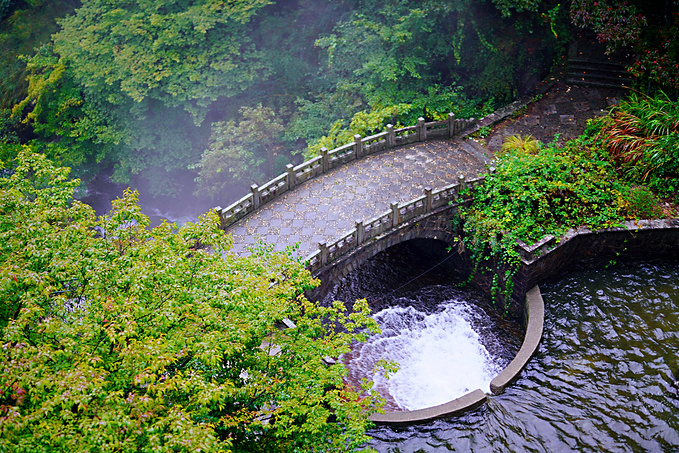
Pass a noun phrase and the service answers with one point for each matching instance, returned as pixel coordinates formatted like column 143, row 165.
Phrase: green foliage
column 5, row 7
column 434, row 105
column 183, row 53
column 531, row 195
column 77, row 129
column 245, row 152
column 362, row 123
column 27, row 25
column 129, row 85
column 641, row 136
column 117, row 337
column 505, row 6
column 595, row 181
column 641, row 203
column 8, row 127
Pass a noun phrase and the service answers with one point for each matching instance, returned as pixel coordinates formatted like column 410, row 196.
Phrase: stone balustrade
column 396, row 216
column 330, row 159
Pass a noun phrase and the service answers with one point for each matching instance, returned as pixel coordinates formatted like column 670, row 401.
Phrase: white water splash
column 440, row 355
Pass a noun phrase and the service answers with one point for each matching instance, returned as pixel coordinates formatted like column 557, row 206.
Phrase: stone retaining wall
column 550, row 257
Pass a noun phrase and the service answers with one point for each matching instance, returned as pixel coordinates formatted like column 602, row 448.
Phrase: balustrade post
column 451, row 125
column 461, row 181
column 360, row 232
column 218, row 210
column 324, row 253
column 391, row 136
column 358, row 146
column 291, row 176
column 428, row 199
column 395, row 215
column 325, row 159
column 421, row 130
column 255, row 196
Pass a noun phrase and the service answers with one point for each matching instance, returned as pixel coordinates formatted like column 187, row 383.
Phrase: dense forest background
column 196, row 100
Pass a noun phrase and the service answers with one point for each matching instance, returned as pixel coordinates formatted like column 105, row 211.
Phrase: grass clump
column 521, row 143
column 641, row 136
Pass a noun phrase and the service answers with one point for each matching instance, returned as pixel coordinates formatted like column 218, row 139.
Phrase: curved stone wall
column 634, row 240
column 535, row 322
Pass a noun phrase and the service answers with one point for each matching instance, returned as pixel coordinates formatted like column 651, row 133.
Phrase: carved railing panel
column 342, row 155
column 273, row 188
column 329, row 159
column 236, row 211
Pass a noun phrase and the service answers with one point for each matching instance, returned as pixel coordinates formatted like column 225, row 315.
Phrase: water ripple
column 601, row 379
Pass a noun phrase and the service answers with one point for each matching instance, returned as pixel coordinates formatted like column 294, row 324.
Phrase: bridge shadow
column 404, row 268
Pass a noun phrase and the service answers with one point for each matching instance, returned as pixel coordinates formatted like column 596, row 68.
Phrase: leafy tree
column 130, row 83
column 244, row 152
column 23, row 27
column 116, row 337
column 183, row 53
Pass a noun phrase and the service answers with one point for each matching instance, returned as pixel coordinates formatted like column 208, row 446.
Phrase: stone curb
column 535, row 312
column 457, row 406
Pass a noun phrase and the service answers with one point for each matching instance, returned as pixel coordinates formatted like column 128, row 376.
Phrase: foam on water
column 440, row 355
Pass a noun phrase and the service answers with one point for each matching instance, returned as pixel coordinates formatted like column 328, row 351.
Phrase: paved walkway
column 563, row 110
column 328, row 206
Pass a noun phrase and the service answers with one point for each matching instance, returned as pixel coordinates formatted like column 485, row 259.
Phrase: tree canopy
column 114, row 82
column 137, row 86
column 118, row 337
column 146, row 90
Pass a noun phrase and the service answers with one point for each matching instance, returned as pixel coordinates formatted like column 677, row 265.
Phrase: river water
column 601, row 380
column 431, row 372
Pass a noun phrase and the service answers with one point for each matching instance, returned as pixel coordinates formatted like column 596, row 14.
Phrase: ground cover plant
column 618, row 169
column 641, row 136
column 118, row 337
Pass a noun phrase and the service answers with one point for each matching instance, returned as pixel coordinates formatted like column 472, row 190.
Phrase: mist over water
column 183, row 208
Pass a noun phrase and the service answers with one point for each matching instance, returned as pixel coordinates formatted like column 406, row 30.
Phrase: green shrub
column 640, row 203
column 641, row 136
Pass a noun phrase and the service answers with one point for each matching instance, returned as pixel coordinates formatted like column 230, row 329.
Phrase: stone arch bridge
column 349, row 203
column 365, row 196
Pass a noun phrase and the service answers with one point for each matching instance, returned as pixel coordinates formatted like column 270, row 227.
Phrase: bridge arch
column 436, row 225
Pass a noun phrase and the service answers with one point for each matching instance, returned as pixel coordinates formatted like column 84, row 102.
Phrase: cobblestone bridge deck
column 328, row 206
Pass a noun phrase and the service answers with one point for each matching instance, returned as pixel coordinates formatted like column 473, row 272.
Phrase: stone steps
column 597, row 73
column 476, row 150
